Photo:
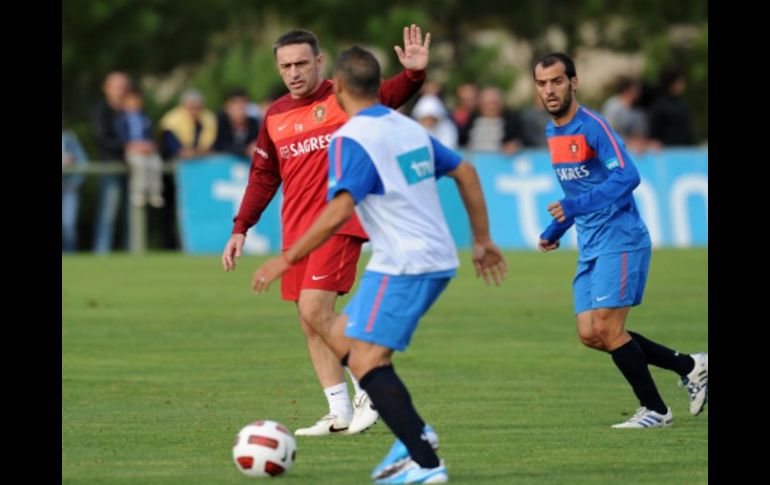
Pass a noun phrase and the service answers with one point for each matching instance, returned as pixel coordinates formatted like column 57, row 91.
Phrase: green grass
column 166, row 357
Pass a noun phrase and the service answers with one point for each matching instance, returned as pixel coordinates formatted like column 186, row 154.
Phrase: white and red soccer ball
column 264, row 449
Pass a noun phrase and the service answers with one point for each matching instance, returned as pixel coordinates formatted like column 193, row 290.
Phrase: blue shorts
column 611, row 280
column 386, row 308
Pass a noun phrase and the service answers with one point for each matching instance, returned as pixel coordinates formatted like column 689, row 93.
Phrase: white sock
column 354, row 380
column 339, row 400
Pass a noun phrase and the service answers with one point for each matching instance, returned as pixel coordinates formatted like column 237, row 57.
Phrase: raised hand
column 415, row 54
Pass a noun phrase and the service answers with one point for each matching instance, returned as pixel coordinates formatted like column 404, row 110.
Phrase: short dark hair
column 237, row 93
column 624, row 83
column 298, row 36
column 360, row 71
column 551, row 59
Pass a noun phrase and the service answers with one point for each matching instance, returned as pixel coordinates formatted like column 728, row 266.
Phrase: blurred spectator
column 431, row 113
column 189, row 130
column 146, row 179
column 433, row 88
column 624, row 115
column 467, row 102
column 106, row 116
column 533, row 120
column 493, row 128
column 71, row 154
column 670, row 121
column 236, row 130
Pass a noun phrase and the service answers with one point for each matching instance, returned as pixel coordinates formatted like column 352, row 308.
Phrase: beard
column 563, row 108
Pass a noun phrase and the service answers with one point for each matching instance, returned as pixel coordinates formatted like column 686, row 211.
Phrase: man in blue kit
column 598, row 178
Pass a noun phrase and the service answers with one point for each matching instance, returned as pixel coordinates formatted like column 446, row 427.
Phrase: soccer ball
column 264, row 449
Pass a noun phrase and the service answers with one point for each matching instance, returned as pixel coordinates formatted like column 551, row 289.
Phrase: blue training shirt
column 598, row 178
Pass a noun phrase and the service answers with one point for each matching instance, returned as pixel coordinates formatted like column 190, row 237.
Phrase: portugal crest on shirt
column 319, row 113
column 573, row 148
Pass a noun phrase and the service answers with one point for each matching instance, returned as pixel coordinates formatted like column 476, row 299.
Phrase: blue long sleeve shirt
column 598, row 178
column 135, row 126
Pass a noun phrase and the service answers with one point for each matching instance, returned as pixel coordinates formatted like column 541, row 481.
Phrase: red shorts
column 330, row 267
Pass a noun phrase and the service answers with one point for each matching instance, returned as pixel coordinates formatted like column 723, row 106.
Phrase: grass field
column 166, row 357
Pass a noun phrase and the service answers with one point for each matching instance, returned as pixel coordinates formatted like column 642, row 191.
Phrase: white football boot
column 329, row 424
column 647, row 418
column 364, row 413
column 697, row 383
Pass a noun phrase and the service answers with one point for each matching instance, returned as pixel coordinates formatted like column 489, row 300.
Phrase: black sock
column 629, row 358
column 663, row 357
column 393, row 402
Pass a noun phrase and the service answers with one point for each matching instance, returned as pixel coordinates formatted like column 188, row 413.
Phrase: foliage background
column 170, row 45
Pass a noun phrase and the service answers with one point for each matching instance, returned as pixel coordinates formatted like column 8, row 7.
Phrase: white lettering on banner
column 681, row 190
column 232, row 190
column 647, row 202
column 526, row 188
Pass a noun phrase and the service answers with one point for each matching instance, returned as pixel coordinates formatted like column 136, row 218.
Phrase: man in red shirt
column 291, row 148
